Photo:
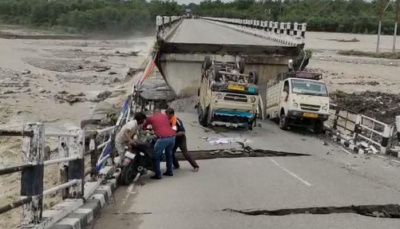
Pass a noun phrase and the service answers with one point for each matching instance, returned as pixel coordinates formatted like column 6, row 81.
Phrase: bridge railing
column 360, row 130
column 283, row 32
column 71, row 160
column 164, row 24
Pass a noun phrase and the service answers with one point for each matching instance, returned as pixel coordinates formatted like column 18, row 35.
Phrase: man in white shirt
column 125, row 136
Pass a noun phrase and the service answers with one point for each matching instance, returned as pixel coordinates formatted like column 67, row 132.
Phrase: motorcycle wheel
column 128, row 174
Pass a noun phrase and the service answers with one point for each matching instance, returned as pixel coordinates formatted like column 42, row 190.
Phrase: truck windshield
column 307, row 87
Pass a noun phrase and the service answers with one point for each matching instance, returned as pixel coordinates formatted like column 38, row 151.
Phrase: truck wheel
column 207, row 62
column 283, row 122
column 241, row 64
column 202, row 116
column 318, row 127
column 253, row 77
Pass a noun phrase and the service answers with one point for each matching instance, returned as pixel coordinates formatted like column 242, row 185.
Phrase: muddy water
column 55, row 82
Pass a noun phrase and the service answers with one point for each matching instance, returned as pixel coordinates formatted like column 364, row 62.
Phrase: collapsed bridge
column 265, row 46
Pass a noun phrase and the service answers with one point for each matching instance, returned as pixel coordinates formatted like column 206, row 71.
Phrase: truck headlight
column 252, row 99
column 325, row 108
column 295, row 105
column 218, row 96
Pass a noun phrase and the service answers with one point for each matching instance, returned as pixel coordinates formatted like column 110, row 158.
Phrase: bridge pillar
column 32, row 178
column 159, row 23
column 76, row 168
column 63, row 153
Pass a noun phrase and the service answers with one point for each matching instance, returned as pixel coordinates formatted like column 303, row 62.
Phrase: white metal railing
column 71, row 154
column 361, row 129
column 165, row 24
column 283, row 32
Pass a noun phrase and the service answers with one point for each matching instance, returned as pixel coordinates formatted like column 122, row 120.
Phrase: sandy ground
column 354, row 74
column 57, row 82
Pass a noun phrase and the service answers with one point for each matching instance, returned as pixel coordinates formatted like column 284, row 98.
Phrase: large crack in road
column 379, row 211
column 246, row 151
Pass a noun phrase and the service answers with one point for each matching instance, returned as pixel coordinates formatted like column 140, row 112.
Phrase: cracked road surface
column 328, row 177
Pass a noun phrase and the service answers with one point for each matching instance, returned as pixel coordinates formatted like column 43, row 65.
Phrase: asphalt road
column 328, row 177
column 201, row 31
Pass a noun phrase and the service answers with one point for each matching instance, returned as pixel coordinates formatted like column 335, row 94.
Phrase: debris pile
column 379, row 105
column 185, row 104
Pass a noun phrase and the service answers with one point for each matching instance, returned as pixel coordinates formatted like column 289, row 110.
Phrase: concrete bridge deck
column 328, row 177
column 205, row 32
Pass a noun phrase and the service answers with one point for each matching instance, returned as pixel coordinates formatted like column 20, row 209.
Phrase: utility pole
column 380, row 25
column 395, row 25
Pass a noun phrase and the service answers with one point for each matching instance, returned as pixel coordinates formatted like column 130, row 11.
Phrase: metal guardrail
column 361, row 129
column 71, row 155
column 286, row 33
column 164, row 24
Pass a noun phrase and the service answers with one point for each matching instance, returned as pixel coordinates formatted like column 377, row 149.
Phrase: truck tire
column 203, row 115
column 250, row 125
column 253, row 77
column 207, row 62
column 241, row 65
column 283, row 122
column 318, row 127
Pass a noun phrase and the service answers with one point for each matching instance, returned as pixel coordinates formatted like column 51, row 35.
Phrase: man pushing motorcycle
column 125, row 137
column 165, row 141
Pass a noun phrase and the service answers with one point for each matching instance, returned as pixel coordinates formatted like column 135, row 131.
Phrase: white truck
column 298, row 99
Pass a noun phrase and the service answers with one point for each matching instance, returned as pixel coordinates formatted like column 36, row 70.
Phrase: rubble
column 379, row 105
column 185, row 104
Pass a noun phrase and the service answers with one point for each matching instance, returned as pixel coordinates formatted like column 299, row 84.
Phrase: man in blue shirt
column 180, row 140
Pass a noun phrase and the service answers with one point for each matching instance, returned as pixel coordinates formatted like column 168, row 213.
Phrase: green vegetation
column 118, row 16
column 351, row 16
column 386, row 55
column 112, row 16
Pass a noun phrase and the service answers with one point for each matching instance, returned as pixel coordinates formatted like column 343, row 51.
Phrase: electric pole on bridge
column 382, row 10
column 395, row 25
column 380, row 25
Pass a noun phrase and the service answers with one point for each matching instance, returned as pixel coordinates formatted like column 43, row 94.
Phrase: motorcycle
column 137, row 163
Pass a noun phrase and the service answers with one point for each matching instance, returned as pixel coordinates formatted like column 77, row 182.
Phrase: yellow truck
column 227, row 96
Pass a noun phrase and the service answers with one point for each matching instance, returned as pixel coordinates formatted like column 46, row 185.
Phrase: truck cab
column 298, row 99
column 227, row 96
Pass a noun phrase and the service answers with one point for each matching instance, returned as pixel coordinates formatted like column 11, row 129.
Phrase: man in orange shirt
column 180, row 140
